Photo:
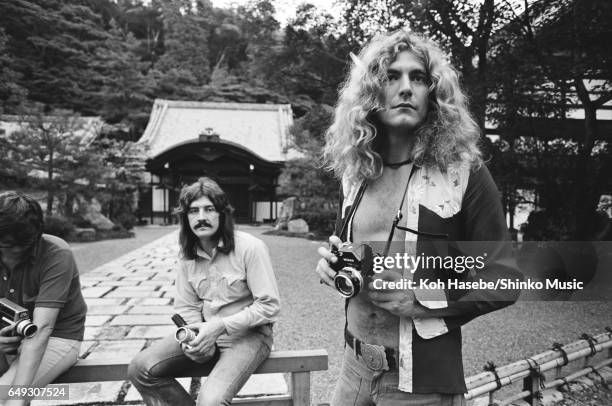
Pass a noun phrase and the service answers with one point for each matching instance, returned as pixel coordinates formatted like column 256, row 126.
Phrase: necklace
column 395, row 165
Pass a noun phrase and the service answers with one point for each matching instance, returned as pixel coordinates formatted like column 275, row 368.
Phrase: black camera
column 348, row 280
column 11, row 314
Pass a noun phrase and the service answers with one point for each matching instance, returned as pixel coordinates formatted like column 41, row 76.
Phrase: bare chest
column 378, row 207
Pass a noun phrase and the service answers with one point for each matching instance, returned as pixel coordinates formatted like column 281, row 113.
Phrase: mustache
column 202, row 223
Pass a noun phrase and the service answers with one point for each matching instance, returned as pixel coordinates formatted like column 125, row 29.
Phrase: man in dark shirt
column 38, row 272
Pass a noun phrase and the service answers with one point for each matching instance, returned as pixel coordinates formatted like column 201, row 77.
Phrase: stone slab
column 95, row 292
column 151, row 301
column 89, row 392
column 86, row 346
column 169, row 310
column 142, row 320
column 132, row 394
column 95, row 321
column 97, row 310
column 117, row 349
column 117, row 283
column 104, row 302
column 112, row 332
column 130, row 293
column 151, row 332
column 91, row 332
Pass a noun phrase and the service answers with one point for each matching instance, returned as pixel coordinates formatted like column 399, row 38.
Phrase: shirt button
column 11, row 290
column 4, row 277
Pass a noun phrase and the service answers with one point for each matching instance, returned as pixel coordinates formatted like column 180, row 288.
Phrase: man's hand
column 8, row 343
column 400, row 302
column 326, row 274
column 202, row 347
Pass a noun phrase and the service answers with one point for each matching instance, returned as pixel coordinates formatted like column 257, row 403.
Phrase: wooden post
column 532, row 384
column 300, row 388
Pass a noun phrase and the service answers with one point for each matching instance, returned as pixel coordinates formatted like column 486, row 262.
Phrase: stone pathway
column 130, row 301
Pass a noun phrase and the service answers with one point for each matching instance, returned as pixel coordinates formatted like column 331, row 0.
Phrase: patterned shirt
column 238, row 287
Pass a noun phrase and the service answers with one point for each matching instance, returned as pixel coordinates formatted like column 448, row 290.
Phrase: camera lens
column 184, row 335
column 344, row 285
column 26, row 328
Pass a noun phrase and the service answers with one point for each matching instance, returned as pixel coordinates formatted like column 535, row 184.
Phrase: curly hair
column 448, row 135
column 188, row 241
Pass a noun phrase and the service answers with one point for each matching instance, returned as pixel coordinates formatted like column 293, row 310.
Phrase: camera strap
column 399, row 214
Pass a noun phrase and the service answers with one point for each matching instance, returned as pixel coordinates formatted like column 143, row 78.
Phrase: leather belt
column 372, row 354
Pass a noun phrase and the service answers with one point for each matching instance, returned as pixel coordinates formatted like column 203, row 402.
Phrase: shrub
column 321, row 222
column 59, row 226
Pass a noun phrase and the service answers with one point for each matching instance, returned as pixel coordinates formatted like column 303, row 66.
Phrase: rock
column 286, row 213
column 85, row 234
column 297, row 226
column 91, row 212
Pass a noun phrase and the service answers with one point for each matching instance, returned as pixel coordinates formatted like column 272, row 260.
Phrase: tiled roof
column 87, row 127
column 260, row 128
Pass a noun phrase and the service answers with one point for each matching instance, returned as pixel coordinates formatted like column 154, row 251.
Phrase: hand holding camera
column 198, row 340
column 341, row 268
column 8, row 341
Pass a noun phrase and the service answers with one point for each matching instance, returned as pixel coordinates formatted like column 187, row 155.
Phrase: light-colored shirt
column 238, row 287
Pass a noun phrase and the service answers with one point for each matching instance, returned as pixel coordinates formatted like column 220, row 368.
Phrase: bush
column 59, row 226
column 321, row 222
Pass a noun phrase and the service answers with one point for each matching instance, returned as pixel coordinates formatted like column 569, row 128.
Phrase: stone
column 103, row 302
column 151, row 332
column 95, row 292
column 286, row 213
column 130, row 293
column 264, row 384
column 91, row 211
column 298, row 226
column 97, row 310
column 91, row 332
column 168, row 310
column 132, row 394
column 149, row 301
column 86, row 393
column 140, row 320
column 117, row 350
column 96, row 320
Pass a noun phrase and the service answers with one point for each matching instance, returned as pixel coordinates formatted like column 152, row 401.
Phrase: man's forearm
column 31, row 354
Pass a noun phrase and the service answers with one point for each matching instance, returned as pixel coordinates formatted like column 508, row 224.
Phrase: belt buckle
column 374, row 356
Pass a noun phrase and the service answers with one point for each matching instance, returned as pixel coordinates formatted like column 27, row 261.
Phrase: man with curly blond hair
column 404, row 145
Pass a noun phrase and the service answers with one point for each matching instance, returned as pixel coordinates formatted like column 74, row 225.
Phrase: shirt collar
column 201, row 253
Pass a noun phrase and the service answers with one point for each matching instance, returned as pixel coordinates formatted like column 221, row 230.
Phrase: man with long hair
column 38, row 273
column 226, row 292
column 404, row 146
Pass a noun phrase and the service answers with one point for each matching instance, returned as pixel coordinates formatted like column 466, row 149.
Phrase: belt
column 372, row 354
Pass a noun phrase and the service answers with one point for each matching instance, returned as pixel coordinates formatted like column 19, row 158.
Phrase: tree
column 561, row 64
column 305, row 178
column 61, row 154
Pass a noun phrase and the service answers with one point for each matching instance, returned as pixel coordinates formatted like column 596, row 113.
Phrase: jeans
column 360, row 386
column 152, row 371
column 59, row 356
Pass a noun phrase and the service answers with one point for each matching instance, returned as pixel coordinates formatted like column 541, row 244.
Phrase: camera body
column 11, row 314
column 348, row 280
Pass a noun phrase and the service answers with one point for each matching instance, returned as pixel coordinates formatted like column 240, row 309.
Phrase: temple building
column 242, row 146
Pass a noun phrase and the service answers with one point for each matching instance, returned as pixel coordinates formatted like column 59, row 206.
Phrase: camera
column 182, row 334
column 348, row 280
column 11, row 314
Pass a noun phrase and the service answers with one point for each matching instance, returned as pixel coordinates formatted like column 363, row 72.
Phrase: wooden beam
column 116, row 370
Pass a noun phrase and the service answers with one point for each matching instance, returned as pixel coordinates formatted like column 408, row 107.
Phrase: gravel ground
column 312, row 315
column 91, row 255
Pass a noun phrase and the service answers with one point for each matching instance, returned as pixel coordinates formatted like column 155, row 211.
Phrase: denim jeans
column 152, row 371
column 360, row 386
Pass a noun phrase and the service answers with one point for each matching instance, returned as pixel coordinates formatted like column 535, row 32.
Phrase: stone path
column 129, row 306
